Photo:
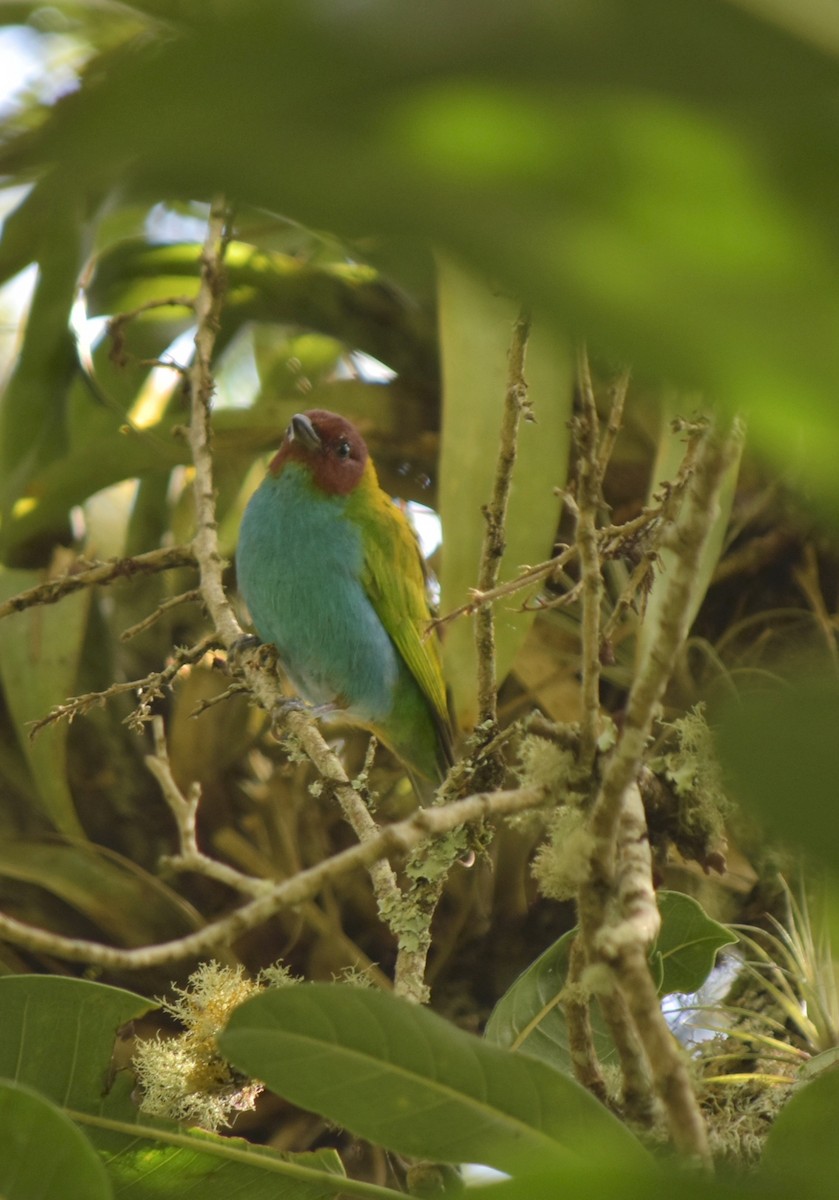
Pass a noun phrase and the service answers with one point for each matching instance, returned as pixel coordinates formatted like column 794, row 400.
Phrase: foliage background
column 658, row 183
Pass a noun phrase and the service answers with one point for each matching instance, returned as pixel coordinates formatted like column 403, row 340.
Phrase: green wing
column 394, row 579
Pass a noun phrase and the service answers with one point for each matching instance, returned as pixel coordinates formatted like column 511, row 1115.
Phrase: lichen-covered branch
column 620, row 875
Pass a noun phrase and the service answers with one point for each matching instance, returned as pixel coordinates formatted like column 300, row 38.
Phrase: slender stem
column 588, row 503
column 496, row 516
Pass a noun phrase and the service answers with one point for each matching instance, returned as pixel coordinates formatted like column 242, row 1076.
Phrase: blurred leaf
column 403, row 1077
column 131, row 907
column 475, row 332
column 687, row 944
column 44, row 1154
column 154, row 1169
column 801, row 1153
column 780, row 754
column 40, row 649
column 673, row 203
column 32, row 405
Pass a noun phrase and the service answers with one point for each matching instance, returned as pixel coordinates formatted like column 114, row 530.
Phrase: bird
column 332, row 574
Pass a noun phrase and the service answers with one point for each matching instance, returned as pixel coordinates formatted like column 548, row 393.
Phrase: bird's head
column 331, row 449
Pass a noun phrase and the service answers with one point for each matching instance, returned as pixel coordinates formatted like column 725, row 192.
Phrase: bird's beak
column 302, row 430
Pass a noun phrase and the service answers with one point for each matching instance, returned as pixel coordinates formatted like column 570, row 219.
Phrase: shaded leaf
column 129, row 905
column 780, row 755
column 801, row 1152
column 40, row 650
column 403, row 1077
column 529, row 1017
column 44, row 1154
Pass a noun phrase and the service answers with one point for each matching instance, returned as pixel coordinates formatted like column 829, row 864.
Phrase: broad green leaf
column 600, row 1180
column 528, row 1017
column 43, row 1153
column 687, row 943
column 401, row 1076
column 710, row 255
column 40, row 649
column 476, row 325
column 780, row 754
column 801, row 1152
column 188, row 1171
column 58, row 1035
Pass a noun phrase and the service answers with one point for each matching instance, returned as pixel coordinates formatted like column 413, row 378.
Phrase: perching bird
column 332, row 574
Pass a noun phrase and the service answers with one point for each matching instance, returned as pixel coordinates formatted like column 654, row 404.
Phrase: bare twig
column 398, row 839
column 86, row 574
column 575, row 1006
column 586, row 428
column 150, row 689
column 496, row 516
column 191, row 597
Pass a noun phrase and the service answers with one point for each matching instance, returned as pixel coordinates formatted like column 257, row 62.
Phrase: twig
column 586, row 428
column 185, row 811
column 150, row 689
column 191, row 597
column 495, row 514
column 618, row 392
column 91, row 574
column 398, row 839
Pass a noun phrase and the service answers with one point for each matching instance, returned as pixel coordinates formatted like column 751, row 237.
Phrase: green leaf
column 58, row 1035
column 476, row 325
column 44, row 1155
column 528, row 1017
column 687, row 943
column 801, row 1152
column 399, row 1075
column 40, row 649
column 780, row 756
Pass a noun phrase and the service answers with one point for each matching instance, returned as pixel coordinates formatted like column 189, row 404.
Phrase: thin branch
column 150, row 689
column 398, row 840
column 618, row 392
column 191, row 597
column 575, row 1006
column 496, row 516
column 85, row 574
column 586, row 428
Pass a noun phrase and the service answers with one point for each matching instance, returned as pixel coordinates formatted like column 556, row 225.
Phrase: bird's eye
column 343, row 449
